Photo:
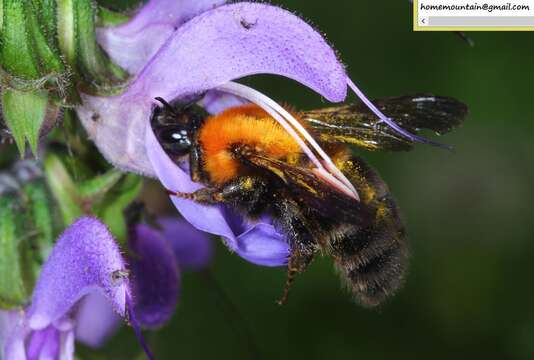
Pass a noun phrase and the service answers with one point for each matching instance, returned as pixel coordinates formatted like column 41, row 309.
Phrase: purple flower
column 84, row 291
column 132, row 44
column 85, row 260
column 204, row 56
column 156, row 260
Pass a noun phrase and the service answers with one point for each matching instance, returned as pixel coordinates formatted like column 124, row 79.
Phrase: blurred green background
column 469, row 214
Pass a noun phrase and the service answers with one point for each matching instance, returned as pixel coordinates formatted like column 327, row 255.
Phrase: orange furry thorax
column 243, row 125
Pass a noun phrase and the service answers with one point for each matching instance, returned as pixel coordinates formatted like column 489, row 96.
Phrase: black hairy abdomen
column 372, row 260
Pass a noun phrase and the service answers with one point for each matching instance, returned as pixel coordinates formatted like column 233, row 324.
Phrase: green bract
column 24, row 113
column 27, row 232
column 106, row 195
column 48, row 52
column 12, row 289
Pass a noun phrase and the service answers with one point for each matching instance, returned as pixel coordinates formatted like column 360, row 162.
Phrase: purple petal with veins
column 132, row 44
column 12, row 335
column 238, row 40
column 95, row 320
column 193, row 249
column 155, row 277
column 44, row 344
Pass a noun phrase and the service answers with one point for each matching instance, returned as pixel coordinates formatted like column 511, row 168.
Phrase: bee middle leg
column 303, row 245
column 298, row 263
column 248, row 193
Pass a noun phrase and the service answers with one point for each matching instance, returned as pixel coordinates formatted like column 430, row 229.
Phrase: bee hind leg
column 298, row 262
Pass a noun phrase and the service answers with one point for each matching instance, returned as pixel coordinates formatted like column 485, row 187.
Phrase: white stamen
column 286, row 120
column 248, row 94
column 390, row 122
column 335, row 182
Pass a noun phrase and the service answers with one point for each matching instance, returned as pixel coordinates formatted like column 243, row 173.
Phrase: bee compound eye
column 174, row 140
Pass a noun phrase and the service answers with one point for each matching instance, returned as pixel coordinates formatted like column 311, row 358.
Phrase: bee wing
column 313, row 193
column 355, row 124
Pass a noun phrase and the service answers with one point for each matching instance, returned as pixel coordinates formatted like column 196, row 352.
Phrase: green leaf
column 99, row 186
column 63, row 189
column 111, row 210
column 12, row 290
column 24, row 113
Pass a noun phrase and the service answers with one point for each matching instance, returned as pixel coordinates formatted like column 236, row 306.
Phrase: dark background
column 469, row 292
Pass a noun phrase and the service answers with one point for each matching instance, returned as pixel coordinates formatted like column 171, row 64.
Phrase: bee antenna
column 465, row 38
column 165, row 104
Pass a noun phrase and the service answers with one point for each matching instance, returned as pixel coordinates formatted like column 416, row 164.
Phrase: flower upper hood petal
column 220, row 45
column 85, row 259
column 132, row 44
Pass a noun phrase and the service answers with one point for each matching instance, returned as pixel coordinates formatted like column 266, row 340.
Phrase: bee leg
column 289, row 284
column 303, row 245
column 249, row 190
column 203, row 196
column 298, row 262
column 292, row 270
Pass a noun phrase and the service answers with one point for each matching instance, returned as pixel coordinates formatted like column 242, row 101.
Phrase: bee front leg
column 245, row 191
column 208, row 196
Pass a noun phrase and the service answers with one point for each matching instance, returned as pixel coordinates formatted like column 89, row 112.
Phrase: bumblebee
column 248, row 161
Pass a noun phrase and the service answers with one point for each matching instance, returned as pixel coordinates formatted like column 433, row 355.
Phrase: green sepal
column 28, row 228
column 108, row 17
column 16, row 50
column 105, row 196
column 41, row 210
column 13, row 292
column 97, row 187
column 24, row 114
column 123, row 6
column 29, row 55
column 97, row 74
column 63, row 189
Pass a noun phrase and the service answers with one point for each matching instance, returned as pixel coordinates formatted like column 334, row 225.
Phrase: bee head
column 175, row 126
